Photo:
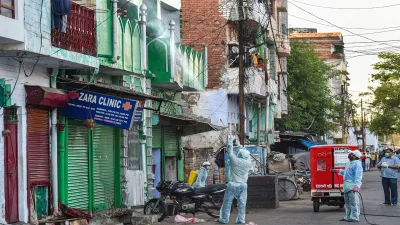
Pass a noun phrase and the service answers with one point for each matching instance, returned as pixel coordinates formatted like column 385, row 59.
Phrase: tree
column 386, row 97
column 309, row 97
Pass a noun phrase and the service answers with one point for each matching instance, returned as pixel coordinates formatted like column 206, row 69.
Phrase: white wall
column 174, row 3
column 9, row 71
column 371, row 140
column 12, row 30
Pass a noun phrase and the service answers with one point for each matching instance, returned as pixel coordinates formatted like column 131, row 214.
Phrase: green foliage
column 385, row 108
column 309, row 97
column 386, row 97
column 388, row 68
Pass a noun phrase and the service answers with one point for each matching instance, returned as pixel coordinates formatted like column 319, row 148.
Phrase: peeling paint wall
column 38, row 33
column 9, row 71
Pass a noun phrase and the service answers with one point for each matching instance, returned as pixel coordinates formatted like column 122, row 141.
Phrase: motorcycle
column 303, row 179
column 186, row 199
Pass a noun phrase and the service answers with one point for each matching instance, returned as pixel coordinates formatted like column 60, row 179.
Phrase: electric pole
column 344, row 119
column 363, row 127
column 241, row 71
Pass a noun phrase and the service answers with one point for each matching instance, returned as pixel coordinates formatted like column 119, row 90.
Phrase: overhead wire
column 359, row 35
column 347, row 8
column 350, row 28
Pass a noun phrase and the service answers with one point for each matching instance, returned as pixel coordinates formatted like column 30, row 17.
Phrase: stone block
column 144, row 219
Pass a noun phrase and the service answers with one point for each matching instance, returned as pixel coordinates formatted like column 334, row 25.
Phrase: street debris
column 181, row 219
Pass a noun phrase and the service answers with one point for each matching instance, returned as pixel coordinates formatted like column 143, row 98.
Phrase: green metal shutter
column 103, row 167
column 170, row 141
column 78, row 166
column 156, row 130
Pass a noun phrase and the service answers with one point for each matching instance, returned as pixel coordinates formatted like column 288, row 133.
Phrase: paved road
column 301, row 211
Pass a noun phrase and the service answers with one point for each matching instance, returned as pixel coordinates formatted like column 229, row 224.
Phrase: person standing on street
column 389, row 166
column 202, row 176
column 240, row 166
column 373, row 157
column 352, row 184
column 363, row 161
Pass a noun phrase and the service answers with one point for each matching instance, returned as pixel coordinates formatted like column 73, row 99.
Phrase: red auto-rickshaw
column 327, row 187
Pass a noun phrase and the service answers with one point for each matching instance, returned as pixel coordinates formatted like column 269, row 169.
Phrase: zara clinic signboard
column 103, row 109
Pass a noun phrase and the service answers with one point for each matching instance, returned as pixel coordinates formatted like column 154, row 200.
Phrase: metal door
column 103, row 167
column 78, row 166
column 171, row 168
column 11, row 172
column 157, row 170
column 38, row 151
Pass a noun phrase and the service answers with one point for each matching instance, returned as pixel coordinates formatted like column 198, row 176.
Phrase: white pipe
column 205, row 66
column 54, row 145
column 115, row 30
column 144, row 161
column 143, row 38
column 172, row 49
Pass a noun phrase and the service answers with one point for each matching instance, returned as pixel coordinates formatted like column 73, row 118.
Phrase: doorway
column 11, row 170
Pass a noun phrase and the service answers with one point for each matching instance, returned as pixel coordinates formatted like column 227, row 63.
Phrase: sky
column 382, row 22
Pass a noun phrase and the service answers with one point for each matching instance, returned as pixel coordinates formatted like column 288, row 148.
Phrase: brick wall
column 204, row 24
column 194, row 160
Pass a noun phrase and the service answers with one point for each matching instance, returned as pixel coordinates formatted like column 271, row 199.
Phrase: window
column 251, row 126
column 7, row 8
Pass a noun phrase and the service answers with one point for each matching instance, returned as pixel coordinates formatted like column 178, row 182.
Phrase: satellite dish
column 155, row 28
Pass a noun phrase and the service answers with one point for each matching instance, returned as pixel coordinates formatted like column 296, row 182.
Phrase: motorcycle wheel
column 161, row 209
column 212, row 211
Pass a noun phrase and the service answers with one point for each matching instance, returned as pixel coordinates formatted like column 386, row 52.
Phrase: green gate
column 92, row 167
column 78, row 166
column 103, row 167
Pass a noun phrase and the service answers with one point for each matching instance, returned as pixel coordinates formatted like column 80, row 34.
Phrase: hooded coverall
column 352, row 177
column 240, row 166
column 201, row 178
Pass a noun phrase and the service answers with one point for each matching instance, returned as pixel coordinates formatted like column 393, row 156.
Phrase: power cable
column 350, row 28
column 341, row 27
column 341, row 8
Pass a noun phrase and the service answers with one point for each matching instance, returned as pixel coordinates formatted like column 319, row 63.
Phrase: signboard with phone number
column 341, row 157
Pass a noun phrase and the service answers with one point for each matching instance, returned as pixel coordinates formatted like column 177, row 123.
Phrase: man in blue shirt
column 389, row 166
column 352, row 183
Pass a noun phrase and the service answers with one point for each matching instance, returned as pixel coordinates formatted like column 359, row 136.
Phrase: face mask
column 387, row 154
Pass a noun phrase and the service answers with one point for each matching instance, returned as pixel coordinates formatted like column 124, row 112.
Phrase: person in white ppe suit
column 240, row 166
column 352, row 184
column 202, row 175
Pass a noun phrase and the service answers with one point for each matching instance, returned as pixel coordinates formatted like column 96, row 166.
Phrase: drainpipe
column 267, row 147
column 115, row 30
column 144, row 160
column 54, row 145
column 205, row 66
column 172, row 49
column 143, row 39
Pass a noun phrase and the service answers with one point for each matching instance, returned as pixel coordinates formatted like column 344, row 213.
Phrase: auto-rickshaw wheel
column 316, row 206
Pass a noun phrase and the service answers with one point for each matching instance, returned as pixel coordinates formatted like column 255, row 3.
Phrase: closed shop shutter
column 103, row 167
column 38, row 151
column 170, row 141
column 78, row 165
column 156, row 130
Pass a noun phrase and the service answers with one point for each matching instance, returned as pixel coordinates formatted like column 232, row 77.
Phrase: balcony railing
column 80, row 35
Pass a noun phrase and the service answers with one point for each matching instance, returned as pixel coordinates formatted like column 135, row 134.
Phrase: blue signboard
column 138, row 114
column 103, row 109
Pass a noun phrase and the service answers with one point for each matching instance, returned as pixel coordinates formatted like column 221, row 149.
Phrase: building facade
column 215, row 23
column 84, row 83
column 330, row 47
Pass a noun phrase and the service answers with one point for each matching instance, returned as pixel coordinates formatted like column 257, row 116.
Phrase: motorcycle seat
column 209, row 189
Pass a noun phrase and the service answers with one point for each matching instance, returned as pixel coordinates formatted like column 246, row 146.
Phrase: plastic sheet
column 181, row 219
